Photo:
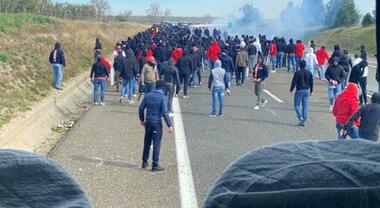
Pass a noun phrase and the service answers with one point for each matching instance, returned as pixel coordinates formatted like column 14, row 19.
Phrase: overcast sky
column 269, row 8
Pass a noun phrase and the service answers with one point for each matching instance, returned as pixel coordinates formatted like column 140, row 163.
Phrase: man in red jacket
column 300, row 48
column 346, row 105
column 212, row 53
column 273, row 55
column 322, row 57
column 177, row 54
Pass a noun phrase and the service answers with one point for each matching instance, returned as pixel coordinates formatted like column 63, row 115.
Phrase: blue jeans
column 194, row 78
column 212, row 64
column 353, row 131
column 311, row 69
column 334, row 92
column 301, row 98
column 292, row 60
column 128, row 85
column 217, row 94
column 322, row 71
column 298, row 60
column 153, row 133
column 228, row 80
column 280, row 59
column 58, row 75
column 273, row 60
column 149, row 87
column 102, row 84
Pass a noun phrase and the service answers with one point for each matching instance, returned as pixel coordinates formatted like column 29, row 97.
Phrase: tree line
column 94, row 10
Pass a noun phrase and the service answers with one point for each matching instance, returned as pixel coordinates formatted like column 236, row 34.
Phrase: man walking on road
column 334, row 75
column 242, row 62
column 216, row 84
column 155, row 104
column 260, row 73
column 322, row 57
column 303, row 82
column 228, row 66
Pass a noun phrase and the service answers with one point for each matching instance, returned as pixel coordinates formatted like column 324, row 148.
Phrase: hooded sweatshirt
column 57, row 56
column 177, row 54
column 218, row 76
column 370, row 119
column 335, row 72
column 311, row 58
column 213, row 51
column 346, row 105
column 322, row 56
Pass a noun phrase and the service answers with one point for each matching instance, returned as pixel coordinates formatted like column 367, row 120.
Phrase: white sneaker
column 96, row 103
column 102, row 104
column 273, row 71
column 171, row 115
column 256, row 107
column 185, row 96
column 134, row 95
column 228, row 91
column 264, row 103
column 331, row 108
column 131, row 102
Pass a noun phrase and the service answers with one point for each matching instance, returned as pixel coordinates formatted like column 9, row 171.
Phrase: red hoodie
column 177, row 54
column 107, row 63
column 213, row 51
column 346, row 105
column 300, row 47
column 273, row 50
column 322, row 56
column 149, row 54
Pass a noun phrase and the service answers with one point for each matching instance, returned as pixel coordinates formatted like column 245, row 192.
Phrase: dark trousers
column 363, row 85
column 240, row 75
column 153, row 133
column 185, row 79
column 170, row 97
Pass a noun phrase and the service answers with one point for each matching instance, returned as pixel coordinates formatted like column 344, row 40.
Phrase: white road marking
column 273, row 96
column 185, row 175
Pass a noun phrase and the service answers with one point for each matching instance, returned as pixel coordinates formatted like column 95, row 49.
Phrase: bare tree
column 101, row 6
column 154, row 10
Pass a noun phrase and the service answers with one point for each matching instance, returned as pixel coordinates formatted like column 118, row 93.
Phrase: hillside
column 349, row 38
column 26, row 41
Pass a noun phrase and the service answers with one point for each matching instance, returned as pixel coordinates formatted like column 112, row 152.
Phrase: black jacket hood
column 376, row 98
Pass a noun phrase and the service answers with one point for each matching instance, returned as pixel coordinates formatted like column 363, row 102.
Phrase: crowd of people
column 165, row 61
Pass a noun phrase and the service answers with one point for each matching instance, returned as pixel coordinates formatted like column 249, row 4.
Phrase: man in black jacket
column 171, row 78
column 370, row 120
column 335, row 76
column 57, row 60
column 260, row 74
column 185, row 66
column 229, row 66
column 128, row 72
column 99, row 76
column 303, row 82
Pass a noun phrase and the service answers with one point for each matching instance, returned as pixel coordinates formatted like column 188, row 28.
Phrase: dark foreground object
column 29, row 180
column 331, row 174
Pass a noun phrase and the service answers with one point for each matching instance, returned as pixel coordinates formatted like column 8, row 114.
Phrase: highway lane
column 214, row 143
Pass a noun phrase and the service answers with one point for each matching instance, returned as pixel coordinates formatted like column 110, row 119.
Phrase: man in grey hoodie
column 216, row 84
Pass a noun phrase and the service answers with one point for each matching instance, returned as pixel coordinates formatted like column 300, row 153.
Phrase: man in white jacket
column 311, row 61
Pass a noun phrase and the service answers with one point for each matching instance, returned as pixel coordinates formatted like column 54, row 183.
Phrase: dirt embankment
column 25, row 73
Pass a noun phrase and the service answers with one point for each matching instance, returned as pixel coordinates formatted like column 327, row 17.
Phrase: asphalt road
column 103, row 151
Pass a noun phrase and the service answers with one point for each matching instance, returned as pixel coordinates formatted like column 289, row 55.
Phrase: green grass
column 350, row 38
column 9, row 21
column 3, row 57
